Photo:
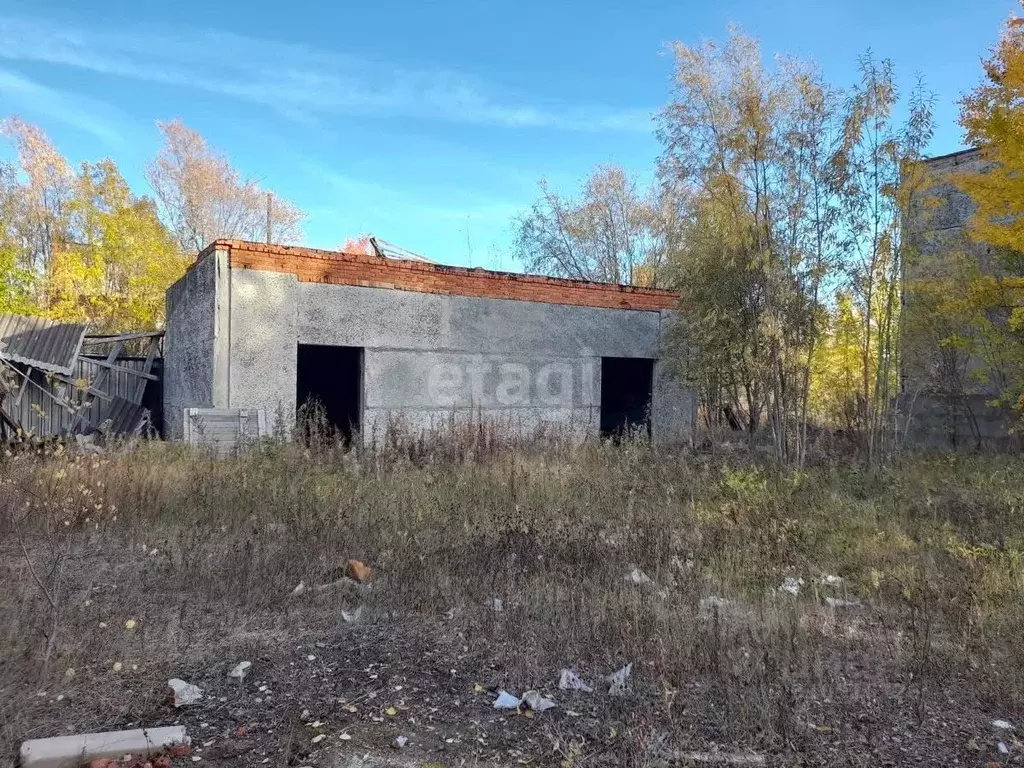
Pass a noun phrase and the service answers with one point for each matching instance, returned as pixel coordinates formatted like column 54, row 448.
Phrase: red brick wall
column 315, row 266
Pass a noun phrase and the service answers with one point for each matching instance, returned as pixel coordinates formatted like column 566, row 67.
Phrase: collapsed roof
column 40, row 343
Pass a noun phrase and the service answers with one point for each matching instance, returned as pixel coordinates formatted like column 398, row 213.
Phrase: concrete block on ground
column 72, row 751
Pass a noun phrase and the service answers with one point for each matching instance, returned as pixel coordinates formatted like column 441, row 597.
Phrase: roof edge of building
column 953, row 155
column 316, row 265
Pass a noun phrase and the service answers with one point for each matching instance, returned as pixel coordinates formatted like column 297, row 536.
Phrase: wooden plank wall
column 224, row 430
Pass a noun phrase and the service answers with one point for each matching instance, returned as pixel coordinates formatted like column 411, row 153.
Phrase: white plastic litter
column 617, row 680
column 831, row 580
column 1003, row 749
column 570, row 681
column 711, row 603
column 351, row 617
column 240, row 670
column 791, row 585
column 299, row 589
column 638, row 577
column 1003, row 725
column 506, row 700
column 536, row 702
column 184, row 693
column 400, row 742
column 497, row 604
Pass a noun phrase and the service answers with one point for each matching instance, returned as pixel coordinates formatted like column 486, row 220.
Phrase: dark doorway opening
column 329, row 390
column 626, row 395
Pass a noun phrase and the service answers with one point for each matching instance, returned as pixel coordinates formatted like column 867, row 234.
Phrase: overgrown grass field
column 121, row 570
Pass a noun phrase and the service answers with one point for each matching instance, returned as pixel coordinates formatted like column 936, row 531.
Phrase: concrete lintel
column 70, row 751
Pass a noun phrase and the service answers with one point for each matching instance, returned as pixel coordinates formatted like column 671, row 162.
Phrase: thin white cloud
column 295, row 80
column 30, row 97
column 444, row 204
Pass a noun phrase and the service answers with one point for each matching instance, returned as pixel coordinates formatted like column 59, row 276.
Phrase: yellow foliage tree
column 79, row 246
column 992, row 116
column 836, row 368
column 115, row 277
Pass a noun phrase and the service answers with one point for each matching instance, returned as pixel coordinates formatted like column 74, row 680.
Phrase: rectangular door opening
column 626, row 385
column 328, row 394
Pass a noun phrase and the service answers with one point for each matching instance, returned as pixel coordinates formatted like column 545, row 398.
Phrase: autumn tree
column 879, row 178
column 37, row 195
column 751, row 144
column 834, row 399
column 79, row 245
column 360, row 244
column 992, row 116
column 203, row 198
column 612, row 232
column 16, row 279
column 116, row 273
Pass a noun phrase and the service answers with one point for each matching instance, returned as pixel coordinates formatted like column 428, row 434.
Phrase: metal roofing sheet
column 124, row 418
column 39, row 342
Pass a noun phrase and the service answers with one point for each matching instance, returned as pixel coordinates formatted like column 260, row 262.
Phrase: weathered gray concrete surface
column 444, row 380
column 264, row 339
column 428, row 358
column 377, row 318
column 190, row 344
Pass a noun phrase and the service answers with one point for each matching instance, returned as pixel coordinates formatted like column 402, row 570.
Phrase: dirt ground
column 345, row 697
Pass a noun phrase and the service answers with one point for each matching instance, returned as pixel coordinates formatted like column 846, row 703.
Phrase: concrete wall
column 944, row 394
column 264, row 339
column 429, row 358
column 195, row 345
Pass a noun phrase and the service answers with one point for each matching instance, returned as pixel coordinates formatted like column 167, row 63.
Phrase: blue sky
column 429, row 123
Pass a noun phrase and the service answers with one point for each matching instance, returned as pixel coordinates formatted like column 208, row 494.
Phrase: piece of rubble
column 506, row 700
column 831, row 580
column 84, row 747
column 1002, row 725
column 240, row 670
column 496, row 604
column 358, row 571
column 535, row 701
column 570, row 681
column 184, row 693
column 617, row 680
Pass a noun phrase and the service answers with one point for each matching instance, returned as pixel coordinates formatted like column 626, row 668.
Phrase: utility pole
column 270, row 219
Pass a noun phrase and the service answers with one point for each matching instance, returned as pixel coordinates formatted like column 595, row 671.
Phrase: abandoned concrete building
column 260, row 330
column 949, row 402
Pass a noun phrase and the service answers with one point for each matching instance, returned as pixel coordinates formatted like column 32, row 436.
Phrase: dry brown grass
column 203, row 555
